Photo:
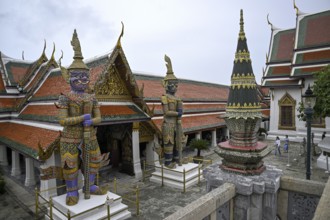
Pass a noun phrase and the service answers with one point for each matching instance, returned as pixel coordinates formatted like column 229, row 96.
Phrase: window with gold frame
column 287, row 119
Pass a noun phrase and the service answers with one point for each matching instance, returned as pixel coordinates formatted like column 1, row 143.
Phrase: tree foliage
column 321, row 90
column 199, row 144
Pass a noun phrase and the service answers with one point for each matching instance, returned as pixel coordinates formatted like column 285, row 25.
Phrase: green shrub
column 199, row 144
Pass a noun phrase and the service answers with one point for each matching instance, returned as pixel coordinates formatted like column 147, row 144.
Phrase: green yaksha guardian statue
column 78, row 113
column 173, row 138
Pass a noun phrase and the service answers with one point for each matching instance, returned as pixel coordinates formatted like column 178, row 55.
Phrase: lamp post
column 309, row 102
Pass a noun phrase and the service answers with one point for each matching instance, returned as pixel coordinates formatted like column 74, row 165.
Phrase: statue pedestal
column 96, row 204
column 256, row 195
column 180, row 177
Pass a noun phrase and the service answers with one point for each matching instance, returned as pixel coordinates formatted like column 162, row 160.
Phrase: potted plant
column 199, row 144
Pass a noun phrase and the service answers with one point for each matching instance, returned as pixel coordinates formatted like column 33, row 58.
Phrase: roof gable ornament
column 43, row 52
column 273, row 28
column 23, row 55
column 118, row 45
column 298, row 12
column 52, row 57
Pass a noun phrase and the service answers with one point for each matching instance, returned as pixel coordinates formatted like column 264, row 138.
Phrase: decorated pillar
column 151, row 155
column 48, row 185
column 214, row 137
column 29, row 172
column 3, row 155
column 136, row 151
column 15, row 165
column 198, row 135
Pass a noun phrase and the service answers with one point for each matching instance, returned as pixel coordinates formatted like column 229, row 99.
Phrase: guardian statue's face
column 172, row 87
column 79, row 80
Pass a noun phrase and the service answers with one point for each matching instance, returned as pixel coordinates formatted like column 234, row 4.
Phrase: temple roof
column 188, row 90
column 282, row 46
column 313, row 30
column 299, row 52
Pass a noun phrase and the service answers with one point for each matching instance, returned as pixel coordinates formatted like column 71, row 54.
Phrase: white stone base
column 322, row 162
column 175, row 177
column 118, row 210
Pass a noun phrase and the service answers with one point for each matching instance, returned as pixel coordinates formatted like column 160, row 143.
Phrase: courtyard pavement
column 156, row 202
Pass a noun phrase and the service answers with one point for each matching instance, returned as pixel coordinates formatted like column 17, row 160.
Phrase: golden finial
column 44, row 46
column 121, row 35
column 59, row 60
column 271, row 25
column 295, row 7
column 53, row 51
column 266, row 57
column 64, row 71
column 23, row 55
column 241, row 24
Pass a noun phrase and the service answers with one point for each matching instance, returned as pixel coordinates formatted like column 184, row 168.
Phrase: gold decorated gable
column 110, row 86
column 146, row 132
column 287, row 100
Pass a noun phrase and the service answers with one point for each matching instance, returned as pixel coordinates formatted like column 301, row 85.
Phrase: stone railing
column 298, row 198
column 209, row 205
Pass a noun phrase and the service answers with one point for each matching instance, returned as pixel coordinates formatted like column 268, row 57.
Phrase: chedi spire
column 243, row 153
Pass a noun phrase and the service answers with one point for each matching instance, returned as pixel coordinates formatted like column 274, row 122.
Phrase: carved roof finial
column 52, row 57
column 43, row 52
column 120, row 36
column 23, row 55
column 295, row 7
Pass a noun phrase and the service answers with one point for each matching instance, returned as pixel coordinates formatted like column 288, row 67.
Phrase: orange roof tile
column 187, row 90
column 26, row 138
column 53, row 86
column 49, row 110
column 195, row 123
column 8, row 102
column 317, row 30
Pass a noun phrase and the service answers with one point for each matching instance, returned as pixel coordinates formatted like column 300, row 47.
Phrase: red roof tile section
column 318, row 55
column 18, row 72
column 285, row 47
column 200, row 122
column 203, row 91
column 49, row 110
column 8, row 103
column 28, row 135
column 281, row 70
column 116, row 110
column 54, row 85
column 318, row 31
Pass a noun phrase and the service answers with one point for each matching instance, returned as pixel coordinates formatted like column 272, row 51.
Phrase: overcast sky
column 200, row 36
